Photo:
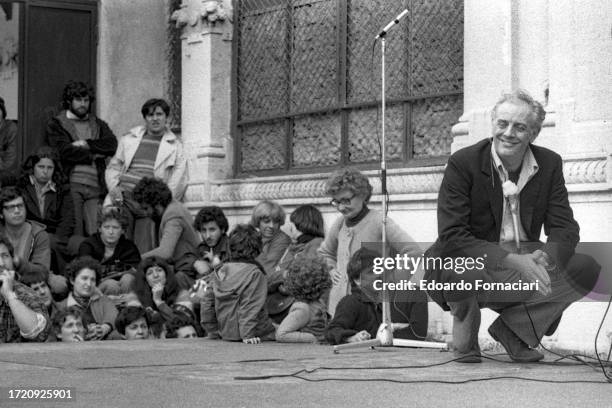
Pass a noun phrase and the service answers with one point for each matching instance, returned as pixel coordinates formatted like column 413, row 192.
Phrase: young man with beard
column 84, row 142
column 178, row 240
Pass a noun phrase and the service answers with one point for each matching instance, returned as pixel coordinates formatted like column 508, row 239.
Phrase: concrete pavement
column 206, row 373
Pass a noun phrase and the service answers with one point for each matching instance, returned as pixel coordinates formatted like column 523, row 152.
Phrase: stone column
column 505, row 47
column 206, row 101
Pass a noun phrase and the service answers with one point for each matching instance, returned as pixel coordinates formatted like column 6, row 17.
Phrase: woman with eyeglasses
column 118, row 256
column 350, row 191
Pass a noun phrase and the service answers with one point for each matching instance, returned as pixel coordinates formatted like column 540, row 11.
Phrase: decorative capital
column 213, row 11
column 207, row 11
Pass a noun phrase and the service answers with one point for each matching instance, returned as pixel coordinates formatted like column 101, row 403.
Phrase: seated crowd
column 96, row 252
column 200, row 278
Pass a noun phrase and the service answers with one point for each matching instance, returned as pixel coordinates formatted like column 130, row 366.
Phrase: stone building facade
column 560, row 51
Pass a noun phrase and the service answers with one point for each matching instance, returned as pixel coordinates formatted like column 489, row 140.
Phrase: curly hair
column 361, row 261
column 244, row 242
column 307, row 278
column 521, row 96
column 267, row 209
column 152, row 191
column 111, row 212
column 78, row 264
column 179, row 320
column 128, row 315
column 211, row 214
column 150, row 106
column 349, row 179
column 43, row 152
column 308, row 220
column 77, row 89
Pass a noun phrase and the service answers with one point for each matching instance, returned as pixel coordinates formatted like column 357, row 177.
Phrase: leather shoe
column 469, row 357
column 517, row 349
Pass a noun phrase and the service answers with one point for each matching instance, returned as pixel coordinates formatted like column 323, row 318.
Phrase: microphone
column 391, row 24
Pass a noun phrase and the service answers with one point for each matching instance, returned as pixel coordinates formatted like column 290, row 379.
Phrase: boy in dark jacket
column 359, row 315
column 234, row 307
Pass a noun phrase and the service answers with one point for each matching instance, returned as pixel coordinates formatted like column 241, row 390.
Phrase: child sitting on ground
column 359, row 315
column 233, row 307
column 307, row 279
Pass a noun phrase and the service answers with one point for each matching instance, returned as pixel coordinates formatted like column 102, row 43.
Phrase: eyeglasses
column 343, row 201
column 12, row 207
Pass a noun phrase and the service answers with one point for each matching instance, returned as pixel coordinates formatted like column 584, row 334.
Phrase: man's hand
column 252, row 340
column 361, row 336
column 203, row 268
column 116, row 194
column 6, row 281
column 80, row 143
column 530, row 268
column 97, row 331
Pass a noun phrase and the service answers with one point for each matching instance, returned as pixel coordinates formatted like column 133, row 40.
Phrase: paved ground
column 204, row 373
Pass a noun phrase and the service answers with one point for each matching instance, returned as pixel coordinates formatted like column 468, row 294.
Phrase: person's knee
column 58, row 284
column 110, row 287
column 460, row 309
column 583, row 272
column 127, row 282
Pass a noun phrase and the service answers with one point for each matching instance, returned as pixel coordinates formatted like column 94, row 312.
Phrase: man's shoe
column 517, row 349
column 469, row 357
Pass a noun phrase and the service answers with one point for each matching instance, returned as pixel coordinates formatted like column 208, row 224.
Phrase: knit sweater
column 342, row 242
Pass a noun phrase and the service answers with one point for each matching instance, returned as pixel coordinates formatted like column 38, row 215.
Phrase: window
column 308, row 86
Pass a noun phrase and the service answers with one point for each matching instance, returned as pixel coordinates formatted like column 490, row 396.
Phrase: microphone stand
column 384, row 335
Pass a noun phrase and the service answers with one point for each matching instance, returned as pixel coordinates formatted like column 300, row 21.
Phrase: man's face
column 512, row 131
column 84, row 283
column 268, row 227
column 156, row 121
column 80, row 106
column 210, row 233
column 153, row 212
column 6, row 260
column 186, row 332
column 14, row 212
column 72, row 330
column 43, row 170
column 43, row 292
column 137, row 330
column 110, row 232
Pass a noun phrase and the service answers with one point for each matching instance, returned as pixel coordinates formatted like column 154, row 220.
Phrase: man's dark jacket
column 60, row 134
column 470, row 210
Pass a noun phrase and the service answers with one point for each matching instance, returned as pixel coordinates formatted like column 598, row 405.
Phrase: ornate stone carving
column 412, row 181
column 585, row 170
column 209, row 12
